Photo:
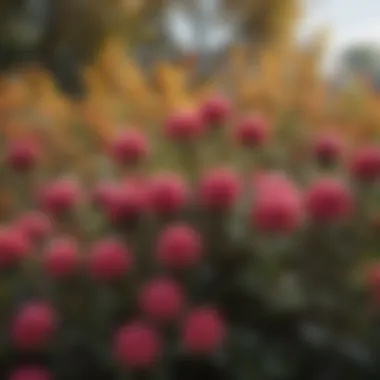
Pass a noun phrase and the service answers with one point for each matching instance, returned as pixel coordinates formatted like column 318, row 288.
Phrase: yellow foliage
column 279, row 75
column 172, row 82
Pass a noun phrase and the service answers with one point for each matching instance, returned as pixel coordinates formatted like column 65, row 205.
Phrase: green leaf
column 244, row 345
column 277, row 363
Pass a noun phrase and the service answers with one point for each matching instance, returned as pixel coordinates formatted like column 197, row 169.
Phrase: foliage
column 214, row 247
column 361, row 61
column 160, row 229
column 65, row 37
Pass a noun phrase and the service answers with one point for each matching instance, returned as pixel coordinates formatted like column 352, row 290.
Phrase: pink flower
column 60, row 196
column 179, row 247
column 137, row 345
column 328, row 148
column 168, row 194
column 129, row 147
column 328, row 199
column 62, row 257
column 277, row 206
column 365, row 164
column 30, row 372
column 14, row 246
column 162, row 299
column 203, row 331
column 109, row 260
column 252, row 131
column 219, row 189
column 34, row 326
column 126, row 203
column 22, row 155
column 184, row 126
column 215, row 110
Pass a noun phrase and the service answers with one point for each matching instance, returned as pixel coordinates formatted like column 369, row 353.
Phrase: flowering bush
column 205, row 251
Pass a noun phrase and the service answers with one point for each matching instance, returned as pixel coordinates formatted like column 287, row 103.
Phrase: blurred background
column 231, row 144
column 65, row 37
column 114, row 60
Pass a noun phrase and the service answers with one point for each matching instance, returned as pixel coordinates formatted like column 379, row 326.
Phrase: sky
column 349, row 21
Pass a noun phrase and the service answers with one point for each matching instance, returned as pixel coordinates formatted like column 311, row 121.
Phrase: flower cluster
column 219, row 247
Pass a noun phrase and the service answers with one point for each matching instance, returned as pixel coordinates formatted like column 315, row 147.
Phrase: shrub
column 181, row 266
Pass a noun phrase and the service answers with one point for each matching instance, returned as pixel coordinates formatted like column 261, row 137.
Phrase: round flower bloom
column 365, row 164
column 30, row 372
column 22, row 155
column 203, row 331
column 184, row 126
column 34, row 224
column 215, row 110
column 219, row 189
column 137, row 346
column 162, row 299
column 168, row 194
column 62, row 257
column 109, row 260
column 179, row 247
column 60, row 196
column 129, row 147
column 126, row 203
column 328, row 199
column 34, row 326
column 14, row 246
column 328, row 148
column 277, row 206
column 252, row 131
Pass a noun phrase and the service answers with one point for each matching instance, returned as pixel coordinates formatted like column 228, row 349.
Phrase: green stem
column 190, row 161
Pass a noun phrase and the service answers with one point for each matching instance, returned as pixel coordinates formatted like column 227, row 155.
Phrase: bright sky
column 350, row 21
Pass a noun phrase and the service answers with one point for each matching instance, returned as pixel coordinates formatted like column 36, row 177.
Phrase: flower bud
column 129, row 147
column 328, row 199
column 277, row 207
column 179, row 247
column 215, row 111
column 62, row 258
column 136, row 346
column 252, row 131
column 162, row 299
column 109, row 260
column 22, row 155
column 184, row 126
column 219, row 189
column 34, row 326
column 125, row 203
column 30, row 372
column 59, row 196
column 365, row 164
column 14, row 246
column 168, row 194
column 203, row 331
column 328, row 148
